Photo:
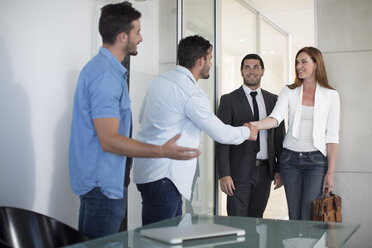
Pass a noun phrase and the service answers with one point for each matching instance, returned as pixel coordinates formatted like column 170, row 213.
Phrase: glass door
column 156, row 54
column 243, row 30
column 198, row 17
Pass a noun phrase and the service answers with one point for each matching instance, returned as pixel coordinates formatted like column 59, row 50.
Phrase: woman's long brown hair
column 320, row 70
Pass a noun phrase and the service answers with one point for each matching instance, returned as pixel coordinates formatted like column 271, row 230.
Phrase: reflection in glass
column 167, row 35
column 238, row 38
column 274, row 52
column 199, row 19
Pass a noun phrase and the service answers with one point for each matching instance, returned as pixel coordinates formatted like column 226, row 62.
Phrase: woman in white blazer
column 307, row 162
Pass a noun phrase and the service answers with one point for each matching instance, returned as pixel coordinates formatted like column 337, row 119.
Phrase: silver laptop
column 178, row 234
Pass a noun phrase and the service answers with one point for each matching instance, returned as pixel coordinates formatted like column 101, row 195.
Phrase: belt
column 261, row 162
column 302, row 154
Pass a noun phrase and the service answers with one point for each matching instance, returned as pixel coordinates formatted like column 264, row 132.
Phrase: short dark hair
column 252, row 56
column 116, row 18
column 190, row 49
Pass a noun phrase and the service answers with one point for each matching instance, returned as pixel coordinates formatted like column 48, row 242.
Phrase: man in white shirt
column 175, row 103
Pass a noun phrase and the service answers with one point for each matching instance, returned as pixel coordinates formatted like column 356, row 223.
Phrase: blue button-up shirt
column 101, row 92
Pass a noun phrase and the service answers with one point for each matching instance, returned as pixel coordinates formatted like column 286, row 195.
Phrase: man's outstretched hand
column 171, row 150
column 254, row 131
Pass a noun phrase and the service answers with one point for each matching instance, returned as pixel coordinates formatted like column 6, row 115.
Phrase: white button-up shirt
column 326, row 121
column 174, row 104
column 263, row 153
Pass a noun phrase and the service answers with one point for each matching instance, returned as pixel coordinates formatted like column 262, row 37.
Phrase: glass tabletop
column 260, row 233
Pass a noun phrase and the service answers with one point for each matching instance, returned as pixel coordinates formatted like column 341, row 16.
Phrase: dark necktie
column 256, row 117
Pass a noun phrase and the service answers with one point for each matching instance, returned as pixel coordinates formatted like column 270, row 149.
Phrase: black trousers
column 250, row 198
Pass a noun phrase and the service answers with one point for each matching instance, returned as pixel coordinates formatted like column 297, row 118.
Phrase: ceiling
column 294, row 16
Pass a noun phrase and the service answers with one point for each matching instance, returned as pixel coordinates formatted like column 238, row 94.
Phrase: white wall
column 43, row 46
column 344, row 37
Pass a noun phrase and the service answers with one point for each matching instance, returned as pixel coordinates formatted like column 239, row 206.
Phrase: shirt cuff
column 277, row 118
column 332, row 139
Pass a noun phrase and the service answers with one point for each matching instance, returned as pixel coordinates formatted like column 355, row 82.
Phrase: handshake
column 253, row 127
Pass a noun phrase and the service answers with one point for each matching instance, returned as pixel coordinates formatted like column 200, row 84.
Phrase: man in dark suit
column 246, row 170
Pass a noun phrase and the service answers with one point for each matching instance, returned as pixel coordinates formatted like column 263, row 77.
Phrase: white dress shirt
column 174, row 104
column 326, row 121
column 262, row 154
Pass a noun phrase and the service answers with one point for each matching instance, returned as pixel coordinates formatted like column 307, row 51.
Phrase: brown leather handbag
column 327, row 208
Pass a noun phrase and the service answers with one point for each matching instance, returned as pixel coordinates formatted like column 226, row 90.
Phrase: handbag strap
column 325, row 193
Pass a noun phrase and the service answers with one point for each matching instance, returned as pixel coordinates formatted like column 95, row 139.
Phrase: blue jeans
column 303, row 174
column 100, row 216
column 160, row 201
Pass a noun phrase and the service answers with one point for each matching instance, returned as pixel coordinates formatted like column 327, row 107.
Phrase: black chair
column 24, row 228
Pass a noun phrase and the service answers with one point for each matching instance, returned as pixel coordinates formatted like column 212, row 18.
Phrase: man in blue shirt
column 100, row 129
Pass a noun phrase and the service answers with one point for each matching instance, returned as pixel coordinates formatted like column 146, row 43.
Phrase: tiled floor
column 277, row 206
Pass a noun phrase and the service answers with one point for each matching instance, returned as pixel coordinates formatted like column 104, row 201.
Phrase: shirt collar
column 113, row 61
column 186, row 71
column 248, row 91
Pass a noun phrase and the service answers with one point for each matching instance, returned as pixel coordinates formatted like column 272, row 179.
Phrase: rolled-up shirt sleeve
column 333, row 121
column 281, row 107
column 105, row 93
column 198, row 109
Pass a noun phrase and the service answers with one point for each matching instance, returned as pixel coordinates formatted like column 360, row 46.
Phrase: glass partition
column 156, row 54
column 238, row 38
column 243, row 30
column 167, row 35
column 274, row 52
column 198, row 18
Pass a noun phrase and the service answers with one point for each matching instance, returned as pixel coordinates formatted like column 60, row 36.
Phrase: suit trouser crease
column 250, row 198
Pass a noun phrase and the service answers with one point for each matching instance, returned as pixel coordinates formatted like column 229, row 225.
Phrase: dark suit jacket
column 238, row 161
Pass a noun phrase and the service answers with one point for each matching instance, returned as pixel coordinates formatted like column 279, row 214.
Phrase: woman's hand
column 328, row 182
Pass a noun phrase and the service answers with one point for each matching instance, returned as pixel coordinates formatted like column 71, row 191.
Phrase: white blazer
column 326, row 122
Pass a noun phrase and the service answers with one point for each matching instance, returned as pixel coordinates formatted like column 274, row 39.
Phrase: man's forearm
column 122, row 145
column 125, row 146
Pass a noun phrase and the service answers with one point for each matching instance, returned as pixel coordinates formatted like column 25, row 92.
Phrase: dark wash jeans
column 303, row 174
column 160, row 201
column 100, row 216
